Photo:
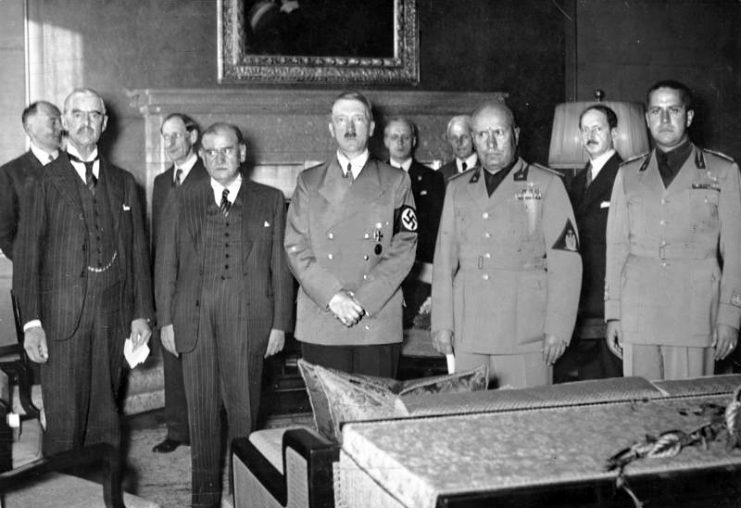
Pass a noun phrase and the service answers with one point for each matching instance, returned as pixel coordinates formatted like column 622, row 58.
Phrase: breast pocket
column 704, row 209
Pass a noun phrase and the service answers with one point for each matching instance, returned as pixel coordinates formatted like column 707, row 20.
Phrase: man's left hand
column 275, row 342
column 553, row 348
column 140, row 332
column 725, row 338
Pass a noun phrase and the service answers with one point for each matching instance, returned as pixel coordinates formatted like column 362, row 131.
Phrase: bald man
column 507, row 270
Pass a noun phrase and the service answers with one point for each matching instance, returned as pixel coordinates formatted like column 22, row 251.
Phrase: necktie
column 348, row 173
column 178, row 177
column 225, row 204
column 464, row 167
column 90, row 180
column 589, row 176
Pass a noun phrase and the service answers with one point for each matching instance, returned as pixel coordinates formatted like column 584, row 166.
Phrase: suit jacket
column 507, row 268
column 16, row 179
column 163, row 185
column 664, row 281
column 267, row 296
column 50, row 272
column 590, row 209
column 428, row 188
column 351, row 237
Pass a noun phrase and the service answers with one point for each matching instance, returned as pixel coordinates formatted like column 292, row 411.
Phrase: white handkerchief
column 126, row 207
column 266, row 225
column 451, row 363
column 135, row 356
column 604, row 204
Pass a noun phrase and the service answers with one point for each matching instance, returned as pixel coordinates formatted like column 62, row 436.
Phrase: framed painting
column 318, row 41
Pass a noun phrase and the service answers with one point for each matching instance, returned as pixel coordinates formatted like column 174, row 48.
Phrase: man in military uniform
column 351, row 236
column 507, row 270
column 671, row 307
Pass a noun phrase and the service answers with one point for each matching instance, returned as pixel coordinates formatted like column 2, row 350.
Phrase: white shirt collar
column 233, row 189
column 404, row 165
column 357, row 162
column 185, row 167
column 599, row 162
column 43, row 155
column 80, row 167
column 471, row 162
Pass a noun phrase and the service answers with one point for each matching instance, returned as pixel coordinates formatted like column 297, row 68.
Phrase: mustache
column 350, row 135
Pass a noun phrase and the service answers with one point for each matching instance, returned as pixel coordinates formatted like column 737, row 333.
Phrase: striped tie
column 225, row 204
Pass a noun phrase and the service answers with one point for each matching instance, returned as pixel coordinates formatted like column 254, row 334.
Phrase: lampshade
column 566, row 150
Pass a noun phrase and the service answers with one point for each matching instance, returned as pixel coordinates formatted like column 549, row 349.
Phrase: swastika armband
column 567, row 240
column 405, row 220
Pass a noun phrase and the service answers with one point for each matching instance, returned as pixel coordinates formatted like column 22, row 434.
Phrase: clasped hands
column 346, row 308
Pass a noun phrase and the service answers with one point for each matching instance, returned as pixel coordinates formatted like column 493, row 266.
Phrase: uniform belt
column 424, row 272
column 674, row 252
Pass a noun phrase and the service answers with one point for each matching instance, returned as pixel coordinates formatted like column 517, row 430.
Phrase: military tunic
column 356, row 236
column 507, row 267
column 664, row 281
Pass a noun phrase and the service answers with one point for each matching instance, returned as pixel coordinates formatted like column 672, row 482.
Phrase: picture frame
column 375, row 42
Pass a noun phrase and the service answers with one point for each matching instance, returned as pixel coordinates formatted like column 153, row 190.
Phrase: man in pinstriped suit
column 224, row 297
column 82, row 276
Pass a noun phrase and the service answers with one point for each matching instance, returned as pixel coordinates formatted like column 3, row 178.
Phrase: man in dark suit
column 428, row 188
column 42, row 123
column 179, row 135
column 458, row 135
column 588, row 356
column 83, row 278
column 351, row 236
column 224, row 297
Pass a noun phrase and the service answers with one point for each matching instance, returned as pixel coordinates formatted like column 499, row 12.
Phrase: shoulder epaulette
column 719, row 154
column 466, row 172
column 547, row 169
column 633, row 159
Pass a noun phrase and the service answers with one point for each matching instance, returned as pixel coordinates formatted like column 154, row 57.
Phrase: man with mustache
column 351, row 237
column 42, row 123
column 673, row 283
column 507, row 271
column 83, row 280
column 588, row 357
column 179, row 136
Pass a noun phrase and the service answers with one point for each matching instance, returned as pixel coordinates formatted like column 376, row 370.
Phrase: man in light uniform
column 351, row 236
column 671, row 310
column 507, row 271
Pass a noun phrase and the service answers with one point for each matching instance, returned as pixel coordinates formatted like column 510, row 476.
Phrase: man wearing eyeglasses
column 224, row 297
column 428, row 188
column 588, row 357
column 673, row 284
column 179, row 137
column 82, row 274
column 507, row 270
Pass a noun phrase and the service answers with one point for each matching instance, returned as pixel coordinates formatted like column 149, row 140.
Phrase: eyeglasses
column 227, row 151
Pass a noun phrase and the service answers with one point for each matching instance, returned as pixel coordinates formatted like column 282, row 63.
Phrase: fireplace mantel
column 287, row 128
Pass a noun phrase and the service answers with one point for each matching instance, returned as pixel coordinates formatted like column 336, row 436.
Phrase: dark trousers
column 373, row 360
column 176, row 406
column 587, row 359
column 225, row 368
column 81, row 379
